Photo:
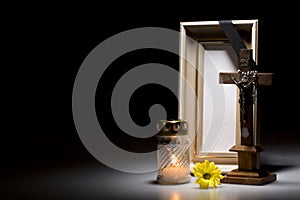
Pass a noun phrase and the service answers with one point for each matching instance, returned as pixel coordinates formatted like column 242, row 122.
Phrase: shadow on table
column 276, row 168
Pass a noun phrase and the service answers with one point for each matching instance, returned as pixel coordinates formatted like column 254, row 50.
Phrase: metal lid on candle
column 172, row 127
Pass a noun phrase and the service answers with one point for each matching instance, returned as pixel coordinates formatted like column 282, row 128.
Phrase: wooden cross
column 247, row 79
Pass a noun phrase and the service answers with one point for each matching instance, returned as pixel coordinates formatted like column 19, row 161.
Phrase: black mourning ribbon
column 235, row 39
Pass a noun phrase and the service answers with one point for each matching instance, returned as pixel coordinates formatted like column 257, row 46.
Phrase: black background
column 44, row 45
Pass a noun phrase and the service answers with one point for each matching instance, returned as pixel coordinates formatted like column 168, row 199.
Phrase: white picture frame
column 211, row 109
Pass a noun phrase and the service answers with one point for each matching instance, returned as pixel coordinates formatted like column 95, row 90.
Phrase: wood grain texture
column 263, row 78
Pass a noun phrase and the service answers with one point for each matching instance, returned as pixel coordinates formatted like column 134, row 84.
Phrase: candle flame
column 174, row 160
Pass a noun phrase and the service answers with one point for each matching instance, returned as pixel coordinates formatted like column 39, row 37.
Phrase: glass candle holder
column 173, row 152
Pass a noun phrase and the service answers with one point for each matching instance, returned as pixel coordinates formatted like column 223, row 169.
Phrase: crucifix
column 247, row 80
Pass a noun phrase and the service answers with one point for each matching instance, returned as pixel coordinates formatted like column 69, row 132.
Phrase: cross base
column 248, row 178
column 249, row 172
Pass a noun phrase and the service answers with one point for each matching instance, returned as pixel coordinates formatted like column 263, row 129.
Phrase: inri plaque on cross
column 247, row 79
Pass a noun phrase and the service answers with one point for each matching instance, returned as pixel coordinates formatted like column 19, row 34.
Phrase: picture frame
column 211, row 109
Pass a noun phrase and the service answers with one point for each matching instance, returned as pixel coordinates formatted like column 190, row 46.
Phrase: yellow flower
column 207, row 174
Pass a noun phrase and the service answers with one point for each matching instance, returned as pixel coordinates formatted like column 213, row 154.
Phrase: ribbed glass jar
column 173, row 152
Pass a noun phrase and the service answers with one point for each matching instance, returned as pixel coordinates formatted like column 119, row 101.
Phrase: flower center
column 206, row 176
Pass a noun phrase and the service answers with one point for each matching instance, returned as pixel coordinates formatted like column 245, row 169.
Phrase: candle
column 175, row 175
column 175, row 172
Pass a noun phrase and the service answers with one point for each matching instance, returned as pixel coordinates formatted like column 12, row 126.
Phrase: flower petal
column 204, row 184
column 205, row 166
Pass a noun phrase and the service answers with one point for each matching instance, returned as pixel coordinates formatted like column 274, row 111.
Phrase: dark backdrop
column 44, row 45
